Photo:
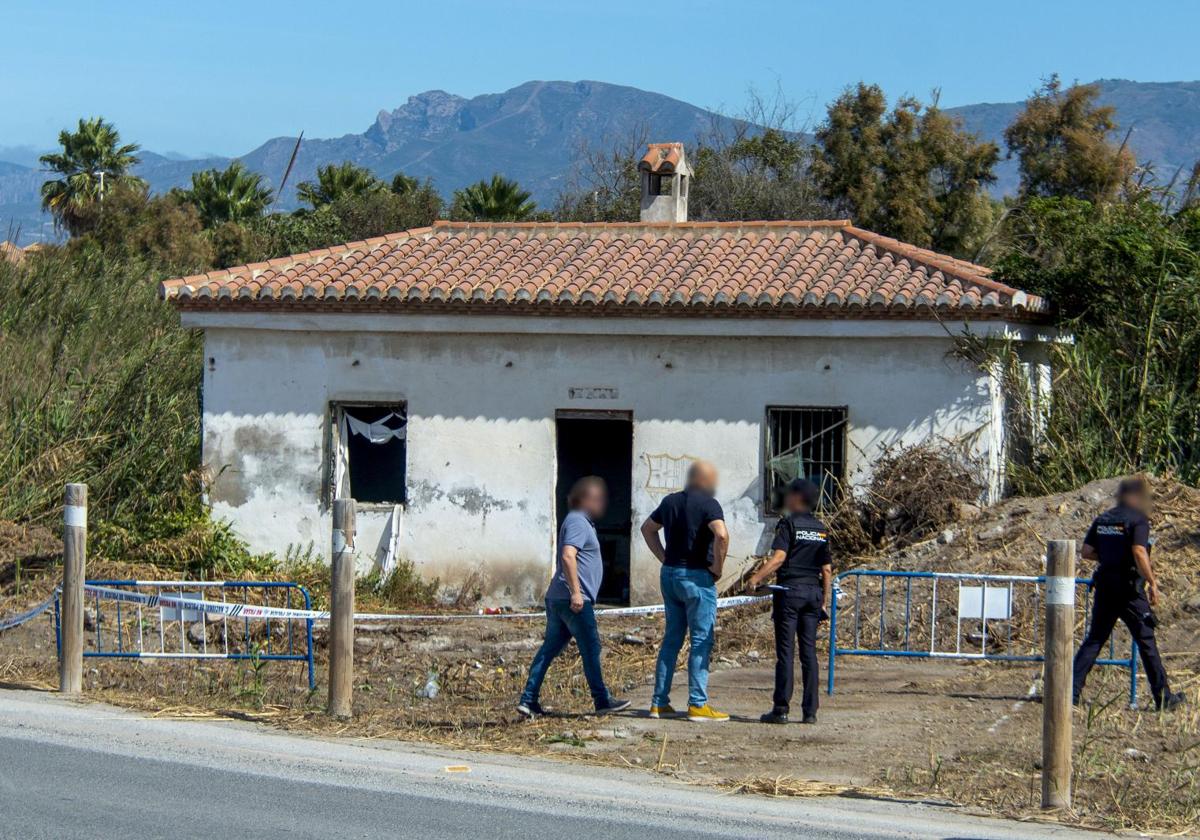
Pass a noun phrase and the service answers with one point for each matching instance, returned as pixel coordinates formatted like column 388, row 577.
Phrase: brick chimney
column 665, row 176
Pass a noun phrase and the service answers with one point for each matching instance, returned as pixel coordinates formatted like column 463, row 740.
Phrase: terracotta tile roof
column 662, row 158
column 825, row 269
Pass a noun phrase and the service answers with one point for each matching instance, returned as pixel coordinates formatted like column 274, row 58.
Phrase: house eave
column 749, row 325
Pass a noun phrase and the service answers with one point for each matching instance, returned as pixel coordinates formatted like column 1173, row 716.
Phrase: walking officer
column 1124, row 587
column 800, row 557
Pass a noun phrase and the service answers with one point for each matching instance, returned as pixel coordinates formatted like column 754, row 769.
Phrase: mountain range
column 535, row 133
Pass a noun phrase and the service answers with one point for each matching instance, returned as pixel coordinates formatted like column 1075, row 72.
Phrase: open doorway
column 601, row 443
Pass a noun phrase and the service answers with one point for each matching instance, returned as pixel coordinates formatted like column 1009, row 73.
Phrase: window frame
column 333, row 442
column 768, row 475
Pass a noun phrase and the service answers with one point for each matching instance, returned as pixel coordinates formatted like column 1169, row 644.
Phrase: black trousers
column 1130, row 606
column 796, row 613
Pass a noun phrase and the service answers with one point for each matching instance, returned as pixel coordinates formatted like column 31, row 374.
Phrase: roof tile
column 817, row 269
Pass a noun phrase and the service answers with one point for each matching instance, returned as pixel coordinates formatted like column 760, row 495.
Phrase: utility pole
column 1057, row 678
column 341, row 611
column 70, row 663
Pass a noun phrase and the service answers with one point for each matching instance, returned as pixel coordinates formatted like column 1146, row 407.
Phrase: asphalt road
column 71, row 770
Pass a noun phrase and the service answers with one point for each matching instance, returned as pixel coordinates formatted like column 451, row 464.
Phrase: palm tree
column 498, row 200
column 406, row 185
column 92, row 162
column 235, row 195
column 338, row 181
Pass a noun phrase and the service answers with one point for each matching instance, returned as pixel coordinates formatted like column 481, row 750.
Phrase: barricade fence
column 949, row 615
column 234, row 620
column 187, row 619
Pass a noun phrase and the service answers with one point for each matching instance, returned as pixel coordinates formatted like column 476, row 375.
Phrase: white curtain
column 387, row 563
column 341, row 463
column 377, row 432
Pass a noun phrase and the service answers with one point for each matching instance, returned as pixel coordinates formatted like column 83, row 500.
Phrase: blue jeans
column 690, row 599
column 562, row 625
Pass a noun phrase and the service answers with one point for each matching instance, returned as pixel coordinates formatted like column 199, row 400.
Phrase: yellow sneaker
column 657, row 712
column 706, row 714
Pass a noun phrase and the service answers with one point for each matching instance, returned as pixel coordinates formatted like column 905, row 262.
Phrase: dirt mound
column 1010, row 538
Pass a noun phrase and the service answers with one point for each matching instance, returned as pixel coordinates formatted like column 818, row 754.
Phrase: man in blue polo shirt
column 571, row 596
column 693, row 559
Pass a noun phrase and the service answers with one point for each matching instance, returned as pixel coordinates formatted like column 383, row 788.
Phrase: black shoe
column 809, row 719
column 531, row 710
column 613, row 706
column 1173, row 700
column 774, row 716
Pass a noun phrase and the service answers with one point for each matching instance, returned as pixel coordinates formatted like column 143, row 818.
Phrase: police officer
column 1124, row 588
column 800, row 555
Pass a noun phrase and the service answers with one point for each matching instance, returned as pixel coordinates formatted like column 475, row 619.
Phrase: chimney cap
column 664, row 159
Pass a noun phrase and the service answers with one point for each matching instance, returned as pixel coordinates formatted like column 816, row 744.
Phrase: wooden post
column 1057, row 679
column 70, row 663
column 341, row 609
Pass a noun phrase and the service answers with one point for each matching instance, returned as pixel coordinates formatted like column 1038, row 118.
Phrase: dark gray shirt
column 578, row 531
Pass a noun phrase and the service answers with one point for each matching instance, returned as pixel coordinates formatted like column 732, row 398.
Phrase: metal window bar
column 806, row 442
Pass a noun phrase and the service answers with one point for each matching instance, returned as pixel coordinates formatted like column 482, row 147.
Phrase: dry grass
column 779, row 786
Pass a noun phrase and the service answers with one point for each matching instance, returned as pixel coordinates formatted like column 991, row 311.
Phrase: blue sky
column 221, row 76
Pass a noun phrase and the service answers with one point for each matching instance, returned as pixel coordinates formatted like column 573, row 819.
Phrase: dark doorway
column 601, row 444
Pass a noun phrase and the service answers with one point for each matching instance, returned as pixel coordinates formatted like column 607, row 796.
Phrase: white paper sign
column 972, row 603
column 170, row 613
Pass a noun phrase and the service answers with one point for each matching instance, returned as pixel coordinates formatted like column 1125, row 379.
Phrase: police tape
column 247, row 611
column 28, row 615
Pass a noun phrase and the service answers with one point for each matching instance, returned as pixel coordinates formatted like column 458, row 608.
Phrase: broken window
column 370, row 452
column 805, row 443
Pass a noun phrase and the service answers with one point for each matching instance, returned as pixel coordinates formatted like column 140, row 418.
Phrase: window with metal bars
column 807, row 443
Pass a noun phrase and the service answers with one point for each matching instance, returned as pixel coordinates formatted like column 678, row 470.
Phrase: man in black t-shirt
column 800, row 556
column 693, row 558
column 1124, row 588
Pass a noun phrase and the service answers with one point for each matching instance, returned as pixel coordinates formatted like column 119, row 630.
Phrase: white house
column 456, row 379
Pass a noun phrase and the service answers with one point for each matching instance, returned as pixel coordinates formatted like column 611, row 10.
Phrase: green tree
column 92, row 162
column 1125, row 279
column 1062, row 140
column 404, row 184
column 382, row 212
column 751, row 173
column 498, row 200
column 233, row 195
column 913, row 173
column 604, row 185
column 851, row 152
column 162, row 231
column 338, row 181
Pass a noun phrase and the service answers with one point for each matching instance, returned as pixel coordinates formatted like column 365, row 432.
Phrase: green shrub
column 404, row 587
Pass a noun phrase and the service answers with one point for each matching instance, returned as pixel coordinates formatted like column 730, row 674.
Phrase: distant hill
column 535, row 131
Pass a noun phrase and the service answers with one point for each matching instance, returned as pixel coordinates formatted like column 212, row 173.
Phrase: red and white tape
column 28, row 615
column 232, row 610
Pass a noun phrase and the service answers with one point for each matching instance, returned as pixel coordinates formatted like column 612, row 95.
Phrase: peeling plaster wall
column 481, row 430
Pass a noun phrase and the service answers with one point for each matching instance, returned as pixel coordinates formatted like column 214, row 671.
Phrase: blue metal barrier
column 922, row 641
column 128, row 636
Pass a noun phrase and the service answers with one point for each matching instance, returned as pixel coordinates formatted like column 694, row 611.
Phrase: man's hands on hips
column 577, row 602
